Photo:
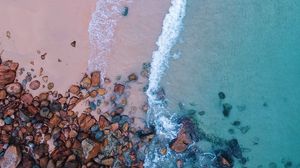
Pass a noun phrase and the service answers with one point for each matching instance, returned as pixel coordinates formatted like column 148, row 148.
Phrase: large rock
column 90, row 148
column 184, row 138
column 7, row 75
column 11, row 158
column 14, row 89
column 95, row 77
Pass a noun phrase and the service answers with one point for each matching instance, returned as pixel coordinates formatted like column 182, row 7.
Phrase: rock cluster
column 46, row 131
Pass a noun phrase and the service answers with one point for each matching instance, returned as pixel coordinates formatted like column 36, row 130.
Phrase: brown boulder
column 132, row 77
column 7, row 75
column 119, row 88
column 184, row 137
column 107, row 161
column 90, row 148
column 14, row 89
column 101, row 91
column 95, row 77
column 54, row 121
column 74, row 89
column 86, row 122
column 2, row 94
column 34, row 85
column 11, row 158
column 32, row 110
column 103, row 122
column 86, row 82
column 27, row 98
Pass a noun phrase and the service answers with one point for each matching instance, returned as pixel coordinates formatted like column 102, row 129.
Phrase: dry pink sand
column 48, row 26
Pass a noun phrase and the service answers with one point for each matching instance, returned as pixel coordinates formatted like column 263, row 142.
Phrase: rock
column 245, row 129
column 272, row 165
column 14, row 89
column 27, row 98
column 86, row 83
column 95, row 78
column 86, row 122
column 7, row 75
column 235, row 148
column 163, row 151
column 74, row 89
column 119, row 110
column 107, row 161
column 119, row 88
column 8, row 120
column 54, row 121
column 226, row 109
column 2, row 123
column 125, row 11
column 90, row 149
column 224, row 160
column 55, row 106
column 73, row 43
column 125, row 127
column 2, row 94
column 221, row 95
column 101, row 91
column 179, row 163
column 93, row 93
column 114, row 127
column 184, row 138
column 32, row 110
column 98, row 135
column 50, row 85
column 132, row 77
column 236, row 123
column 44, row 112
column 103, row 122
column 45, row 79
column 34, row 85
column 11, row 158
column 201, row 113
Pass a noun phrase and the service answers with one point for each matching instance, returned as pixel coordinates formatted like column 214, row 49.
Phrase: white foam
column 172, row 26
column 158, row 114
column 101, row 31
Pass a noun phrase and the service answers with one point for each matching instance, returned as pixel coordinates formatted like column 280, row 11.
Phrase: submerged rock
column 226, row 109
column 235, row 148
column 221, row 95
column 224, row 160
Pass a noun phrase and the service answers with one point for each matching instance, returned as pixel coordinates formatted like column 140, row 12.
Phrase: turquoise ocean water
column 250, row 50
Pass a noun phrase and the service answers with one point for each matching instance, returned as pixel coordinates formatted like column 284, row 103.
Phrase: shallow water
column 250, row 51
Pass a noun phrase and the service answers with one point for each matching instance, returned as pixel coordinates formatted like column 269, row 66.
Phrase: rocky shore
column 46, row 130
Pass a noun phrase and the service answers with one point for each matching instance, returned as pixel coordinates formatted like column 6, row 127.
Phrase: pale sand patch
column 48, row 26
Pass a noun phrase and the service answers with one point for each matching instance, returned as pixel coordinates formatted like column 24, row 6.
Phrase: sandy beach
column 47, row 28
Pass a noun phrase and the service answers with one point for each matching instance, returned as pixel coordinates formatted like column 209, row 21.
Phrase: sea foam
column 101, row 31
column 158, row 115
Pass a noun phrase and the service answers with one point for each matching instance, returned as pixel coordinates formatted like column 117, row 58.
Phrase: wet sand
column 134, row 41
